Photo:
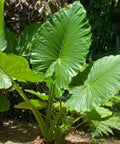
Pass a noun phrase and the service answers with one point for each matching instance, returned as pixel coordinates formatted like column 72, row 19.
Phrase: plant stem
column 62, row 133
column 54, row 123
column 60, row 103
column 50, row 102
column 35, row 111
column 77, row 119
column 72, row 129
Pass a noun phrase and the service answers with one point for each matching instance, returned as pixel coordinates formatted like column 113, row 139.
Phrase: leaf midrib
column 64, row 35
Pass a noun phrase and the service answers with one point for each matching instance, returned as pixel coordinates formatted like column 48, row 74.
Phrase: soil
column 16, row 132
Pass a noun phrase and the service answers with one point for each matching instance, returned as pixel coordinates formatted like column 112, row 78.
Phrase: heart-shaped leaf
column 103, row 81
column 61, row 44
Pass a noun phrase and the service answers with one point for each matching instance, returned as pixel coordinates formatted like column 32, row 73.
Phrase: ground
column 16, row 132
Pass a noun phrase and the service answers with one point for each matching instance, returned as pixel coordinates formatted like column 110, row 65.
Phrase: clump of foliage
column 104, row 123
column 57, row 51
column 19, row 14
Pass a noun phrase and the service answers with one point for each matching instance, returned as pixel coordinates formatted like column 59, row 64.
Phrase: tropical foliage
column 57, row 51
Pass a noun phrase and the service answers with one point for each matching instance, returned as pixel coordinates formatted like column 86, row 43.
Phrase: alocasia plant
column 59, row 50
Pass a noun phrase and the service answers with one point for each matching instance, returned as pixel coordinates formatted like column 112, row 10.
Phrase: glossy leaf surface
column 61, row 44
column 103, row 81
column 18, row 67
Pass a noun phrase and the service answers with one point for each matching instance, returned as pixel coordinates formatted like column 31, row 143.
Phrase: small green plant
column 101, row 126
column 57, row 54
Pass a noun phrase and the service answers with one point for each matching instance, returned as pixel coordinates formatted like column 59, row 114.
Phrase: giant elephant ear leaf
column 103, row 81
column 17, row 67
column 61, row 44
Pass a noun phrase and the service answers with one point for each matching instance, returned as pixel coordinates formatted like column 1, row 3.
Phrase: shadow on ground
column 18, row 132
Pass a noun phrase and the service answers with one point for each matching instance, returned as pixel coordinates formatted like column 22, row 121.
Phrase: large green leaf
column 61, row 44
column 102, row 82
column 4, row 103
column 18, row 67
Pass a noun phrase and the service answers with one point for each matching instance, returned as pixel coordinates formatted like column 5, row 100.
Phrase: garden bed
column 17, row 132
